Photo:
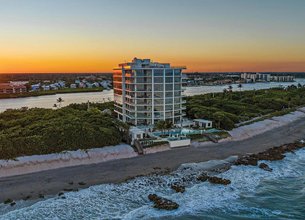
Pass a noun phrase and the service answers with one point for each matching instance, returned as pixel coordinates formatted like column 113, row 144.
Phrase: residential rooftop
column 147, row 63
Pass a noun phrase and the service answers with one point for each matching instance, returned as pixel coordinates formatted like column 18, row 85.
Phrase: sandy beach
column 282, row 130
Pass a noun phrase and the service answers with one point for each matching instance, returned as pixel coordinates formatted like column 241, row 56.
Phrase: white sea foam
column 129, row 200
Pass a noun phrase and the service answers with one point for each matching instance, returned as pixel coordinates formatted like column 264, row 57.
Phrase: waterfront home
column 8, row 88
column 146, row 92
column 35, row 87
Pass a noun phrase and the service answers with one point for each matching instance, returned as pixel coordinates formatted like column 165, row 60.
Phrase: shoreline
column 41, row 93
column 51, row 182
column 37, row 163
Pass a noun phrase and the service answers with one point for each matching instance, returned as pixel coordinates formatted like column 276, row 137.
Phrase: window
column 158, row 101
column 177, row 72
column 169, row 72
column 158, row 108
column 158, row 72
column 168, row 107
column 177, row 79
column 177, row 87
column 168, row 79
column 158, row 95
column 168, row 87
column 168, row 94
column 158, row 87
column 158, row 80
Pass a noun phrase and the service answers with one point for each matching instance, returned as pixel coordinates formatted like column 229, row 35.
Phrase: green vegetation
column 164, row 125
column 229, row 108
column 43, row 131
column 50, row 92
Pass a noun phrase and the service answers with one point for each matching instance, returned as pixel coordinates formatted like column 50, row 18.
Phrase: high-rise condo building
column 146, row 92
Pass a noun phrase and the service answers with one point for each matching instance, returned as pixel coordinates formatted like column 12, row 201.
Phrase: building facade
column 9, row 88
column 266, row 77
column 146, row 92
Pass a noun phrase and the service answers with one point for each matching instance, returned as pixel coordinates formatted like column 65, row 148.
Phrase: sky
column 41, row 36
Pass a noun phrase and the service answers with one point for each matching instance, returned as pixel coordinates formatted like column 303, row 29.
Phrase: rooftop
column 147, row 63
column 202, row 120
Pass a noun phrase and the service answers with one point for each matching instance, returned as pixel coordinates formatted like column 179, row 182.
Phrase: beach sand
column 51, row 182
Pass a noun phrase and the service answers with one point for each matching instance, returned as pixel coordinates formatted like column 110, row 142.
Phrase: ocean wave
column 245, row 197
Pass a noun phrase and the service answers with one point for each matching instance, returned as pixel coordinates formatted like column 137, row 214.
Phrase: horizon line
column 16, row 73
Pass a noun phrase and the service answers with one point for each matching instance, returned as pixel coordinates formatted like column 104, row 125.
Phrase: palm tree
column 240, row 86
column 163, row 125
column 160, row 125
column 59, row 101
column 230, row 88
column 168, row 125
column 224, row 92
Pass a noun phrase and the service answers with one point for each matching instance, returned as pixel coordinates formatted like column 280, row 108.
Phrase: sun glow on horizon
column 40, row 36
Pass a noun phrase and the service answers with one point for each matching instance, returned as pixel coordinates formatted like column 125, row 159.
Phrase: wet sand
column 54, row 181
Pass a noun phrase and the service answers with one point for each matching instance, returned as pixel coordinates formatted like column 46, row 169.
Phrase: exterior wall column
column 135, row 98
column 164, row 96
column 152, row 97
column 181, row 98
column 123, row 95
column 173, row 96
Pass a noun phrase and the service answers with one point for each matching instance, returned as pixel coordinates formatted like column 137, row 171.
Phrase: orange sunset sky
column 205, row 35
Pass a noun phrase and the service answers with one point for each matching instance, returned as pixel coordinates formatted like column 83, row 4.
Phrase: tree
column 225, row 91
column 230, row 88
column 59, row 101
column 168, row 125
column 161, row 125
column 240, row 86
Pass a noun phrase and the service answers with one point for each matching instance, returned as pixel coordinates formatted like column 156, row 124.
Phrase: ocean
column 252, row 194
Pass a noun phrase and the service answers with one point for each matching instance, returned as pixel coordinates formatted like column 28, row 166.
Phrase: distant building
column 89, row 85
column 265, row 77
column 45, row 87
column 35, row 87
column 61, row 84
column 8, row 88
column 96, row 84
column 283, row 78
column 203, row 123
column 146, row 92
column 82, row 85
column 73, row 86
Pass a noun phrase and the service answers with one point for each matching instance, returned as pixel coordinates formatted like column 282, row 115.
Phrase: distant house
column 61, row 84
column 8, row 88
column 54, row 86
column 105, row 84
column 45, row 87
column 35, row 87
column 96, row 84
column 89, row 85
column 73, row 86
column 82, row 85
